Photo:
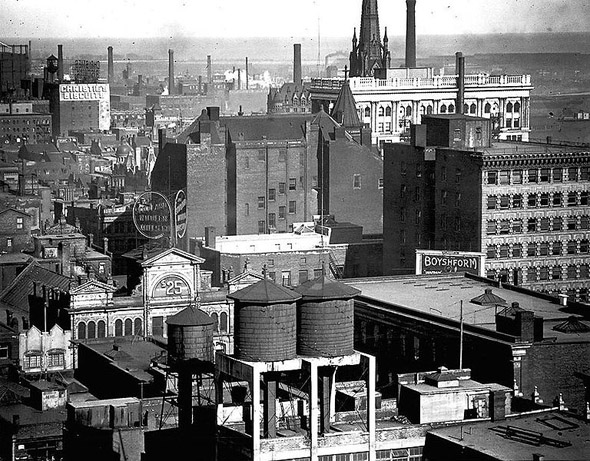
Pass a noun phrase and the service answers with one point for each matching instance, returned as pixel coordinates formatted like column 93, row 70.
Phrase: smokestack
column 239, row 79
column 171, row 72
column 297, row 64
column 111, row 66
column 209, row 70
column 247, row 73
column 60, row 63
column 460, row 70
column 411, row 33
column 30, row 55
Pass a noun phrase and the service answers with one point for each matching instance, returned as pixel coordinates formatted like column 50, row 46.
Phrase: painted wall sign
column 151, row 215
column 180, row 213
column 441, row 262
column 171, row 286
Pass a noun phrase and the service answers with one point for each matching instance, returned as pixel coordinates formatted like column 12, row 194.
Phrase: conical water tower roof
column 191, row 316
column 326, row 288
column 265, row 292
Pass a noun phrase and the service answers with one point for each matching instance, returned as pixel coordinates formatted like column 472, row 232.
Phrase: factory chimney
column 60, row 63
column 247, row 74
column 171, row 72
column 411, row 33
column 460, row 71
column 297, row 64
column 111, row 66
column 209, row 70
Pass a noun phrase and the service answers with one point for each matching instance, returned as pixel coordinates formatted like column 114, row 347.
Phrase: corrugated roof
column 17, row 293
column 326, row 288
column 265, row 292
column 191, row 316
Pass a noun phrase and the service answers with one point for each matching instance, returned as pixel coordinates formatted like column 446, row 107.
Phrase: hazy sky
column 280, row 18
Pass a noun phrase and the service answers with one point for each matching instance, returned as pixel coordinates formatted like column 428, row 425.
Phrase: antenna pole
column 461, row 339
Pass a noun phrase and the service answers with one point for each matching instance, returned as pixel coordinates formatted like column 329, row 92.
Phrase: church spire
column 368, row 55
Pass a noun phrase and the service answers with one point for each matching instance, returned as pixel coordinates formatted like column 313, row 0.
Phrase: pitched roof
column 344, row 111
column 255, row 128
column 572, row 325
column 325, row 288
column 16, row 295
column 488, row 298
column 265, row 292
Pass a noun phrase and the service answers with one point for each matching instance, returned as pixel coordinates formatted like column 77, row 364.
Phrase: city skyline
column 262, row 18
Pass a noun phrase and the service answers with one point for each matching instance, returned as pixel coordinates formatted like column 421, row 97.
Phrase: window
column 247, row 162
column 583, row 246
column 3, row 352
column 418, row 170
column 451, row 108
column 544, row 224
column 82, row 330
column 472, row 108
column 504, row 177
column 292, row 206
column 504, row 250
column 544, row 249
column 572, row 272
column 487, row 108
column 282, row 155
column 517, row 177
column 557, row 199
column 367, row 111
column 8, row 242
column 572, row 198
column 272, row 220
column 572, row 247
column 557, row 223
column 572, row 222
column 557, row 174
column 457, row 176
column 517, row 201
column 492, row 202
column 504, row 227
column 492, row 177
column 584, row 198
column 585, row 222
column 517, row 226
column 356, row 181
column 417, row 194
column 533, row 175
column 544, row 273
column 19, row 223
column 572, row 173
column 443, row 197
column 585, row 173
column 509, row 107
column 504, row 201
column 286, row 278
column 531, row 225
column 403, row 191
column 272, row 195
column 56, row 359
column 517, row 250
column 292, row 183
column 556, row 248
column 32, row 361
column 402, row 214
column 247, row 209
column 261, row 202
column 531, row 274
column 458, row 199
column 380, row 183
column 303, row 276
column 491, row 252
column 261, row 227
column 282, row 210
column 544, row 200
column 91, row 330
column 532, row 200
column 418, row 216
column 282, row 186
column 261, row 155
column 531, row 249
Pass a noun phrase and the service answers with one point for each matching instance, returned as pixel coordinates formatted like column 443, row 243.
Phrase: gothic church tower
column 368, row 53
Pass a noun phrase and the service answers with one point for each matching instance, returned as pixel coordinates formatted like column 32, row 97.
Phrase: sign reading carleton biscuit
column 151, row 215
column 443, row 262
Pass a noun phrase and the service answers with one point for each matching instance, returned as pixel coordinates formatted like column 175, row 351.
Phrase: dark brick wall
column 8, row 230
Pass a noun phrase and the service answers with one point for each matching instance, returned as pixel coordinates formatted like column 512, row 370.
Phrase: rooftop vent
column 572, row 325
column 488, row 298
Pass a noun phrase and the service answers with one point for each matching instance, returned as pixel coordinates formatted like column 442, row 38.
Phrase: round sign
column 171, row 286
column 180, row 213
column 152, row 215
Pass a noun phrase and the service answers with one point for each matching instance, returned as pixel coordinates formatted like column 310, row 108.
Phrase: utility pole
column 461, row 339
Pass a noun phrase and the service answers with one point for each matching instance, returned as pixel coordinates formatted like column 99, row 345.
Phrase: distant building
column 18, row 123
column 15, row 230
column 524, row 205
column 15, row 65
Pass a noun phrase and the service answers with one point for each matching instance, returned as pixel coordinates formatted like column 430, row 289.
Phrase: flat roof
column 572, row 437
column 465, row 385
column 441, row 296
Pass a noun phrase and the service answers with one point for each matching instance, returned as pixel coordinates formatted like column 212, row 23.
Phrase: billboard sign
column 445, row 262
column 152, row 215
column 84, row 92
column 180, row 213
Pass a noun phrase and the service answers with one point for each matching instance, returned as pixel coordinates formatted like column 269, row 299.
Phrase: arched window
column 91, row 330
column 82, row 330
column 509, row 107
column 137, row 327
column 128, row 327
column 487, row 108
column 388, row 111
column 409, row 111
column 465, row 109
column 118, row 327
column 472, row 108
column 517, row 107
column 451, row 108
column 223, row 322
column 443, row 109
column 101, row 329
column 367, row 111
column 215, row 318
column 429, row 110
column 381, row 111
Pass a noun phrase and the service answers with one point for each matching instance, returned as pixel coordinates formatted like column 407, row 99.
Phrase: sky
column 280, row 18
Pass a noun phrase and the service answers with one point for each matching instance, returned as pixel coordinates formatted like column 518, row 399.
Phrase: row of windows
column 538, row 175
column 535, row 249
column 558, row 223
column 220, row 322
column 386, row 111
column 272, row 216
column 262, row 153
column 538, row 200
column 55, row 358
column 36, row 121
column 262, row 227
column 546, row 273
column 94, row 329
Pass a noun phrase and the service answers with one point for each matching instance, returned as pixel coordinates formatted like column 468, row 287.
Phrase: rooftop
column 439, row 298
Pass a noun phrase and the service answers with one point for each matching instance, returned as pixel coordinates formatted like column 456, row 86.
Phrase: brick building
column 19, row 122
column 518, row 338
column 15, row 230
column 15, row 66
column 523, row 204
